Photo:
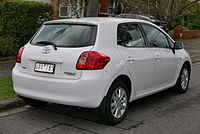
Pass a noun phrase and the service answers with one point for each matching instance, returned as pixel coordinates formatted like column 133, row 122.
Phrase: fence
column 179, row 33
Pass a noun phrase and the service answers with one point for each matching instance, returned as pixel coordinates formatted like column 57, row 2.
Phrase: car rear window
column 66, row 35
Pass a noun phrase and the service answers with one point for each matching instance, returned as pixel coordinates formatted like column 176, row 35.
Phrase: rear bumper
column 88, row 91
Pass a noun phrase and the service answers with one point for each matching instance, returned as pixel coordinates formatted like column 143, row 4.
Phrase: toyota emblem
column 46, row 50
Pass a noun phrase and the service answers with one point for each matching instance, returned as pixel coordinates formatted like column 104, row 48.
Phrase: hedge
column 7, row 46
column 19, row 20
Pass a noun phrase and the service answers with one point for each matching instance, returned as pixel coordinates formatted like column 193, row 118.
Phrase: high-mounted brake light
column 92, row 60
column 19, row 55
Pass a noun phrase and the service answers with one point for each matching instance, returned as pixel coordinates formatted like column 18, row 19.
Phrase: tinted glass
column 129, row 35
column 67, row 35
column 155, row 37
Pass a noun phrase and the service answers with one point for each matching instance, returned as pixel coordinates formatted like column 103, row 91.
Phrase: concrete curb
column 11, row 103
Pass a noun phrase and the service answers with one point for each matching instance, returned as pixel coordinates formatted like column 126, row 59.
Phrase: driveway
column 162, row 113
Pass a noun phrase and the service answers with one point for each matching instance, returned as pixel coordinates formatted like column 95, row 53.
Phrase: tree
column 92, row 9
column 166, row 10
column 179, row 7
column 55, row 9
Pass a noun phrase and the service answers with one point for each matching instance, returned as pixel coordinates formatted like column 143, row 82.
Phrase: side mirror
column 178, row 45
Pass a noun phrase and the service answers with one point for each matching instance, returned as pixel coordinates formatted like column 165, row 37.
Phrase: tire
column 116, row 103
column 183, row 80
column 34, row 103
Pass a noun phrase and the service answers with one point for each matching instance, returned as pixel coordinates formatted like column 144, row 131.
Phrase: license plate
column 44, row 68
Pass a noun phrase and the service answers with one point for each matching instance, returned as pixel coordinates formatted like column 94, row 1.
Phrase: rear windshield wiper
column 48, row 43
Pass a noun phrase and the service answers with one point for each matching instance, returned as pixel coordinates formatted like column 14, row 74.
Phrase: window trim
column 168, row 39
column 143, row 36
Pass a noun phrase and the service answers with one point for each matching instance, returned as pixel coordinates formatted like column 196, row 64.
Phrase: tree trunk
column 125, row 5
column 55, row 8
column 92, row 8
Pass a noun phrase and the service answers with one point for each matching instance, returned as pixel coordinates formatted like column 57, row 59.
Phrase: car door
column 166, row 59
column 139, row 58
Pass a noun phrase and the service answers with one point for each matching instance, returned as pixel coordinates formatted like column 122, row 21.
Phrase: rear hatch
column 55, row 49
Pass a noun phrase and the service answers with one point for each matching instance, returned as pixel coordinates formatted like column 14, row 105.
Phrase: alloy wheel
column 184, row 78
column 119, row 102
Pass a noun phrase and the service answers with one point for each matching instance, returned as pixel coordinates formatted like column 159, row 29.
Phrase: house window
column 114, row 7
column 71, row 9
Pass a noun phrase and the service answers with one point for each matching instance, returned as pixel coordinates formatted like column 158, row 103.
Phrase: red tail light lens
column 19, row 55
column 92, row 60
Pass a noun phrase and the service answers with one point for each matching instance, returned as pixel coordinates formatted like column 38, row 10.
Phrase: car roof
column 95, row 20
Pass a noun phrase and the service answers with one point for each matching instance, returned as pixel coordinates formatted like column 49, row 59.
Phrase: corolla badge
column 46, row 50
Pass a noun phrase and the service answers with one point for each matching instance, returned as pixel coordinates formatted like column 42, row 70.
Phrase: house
column 72, row 8
column 77, row 8
column 116, row 7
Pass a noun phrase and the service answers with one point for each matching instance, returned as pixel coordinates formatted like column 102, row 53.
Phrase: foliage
column 193, row 19
column 7, row 46
column 190, row 19
column 166, row 10
column 6, row 88
column 20, row 19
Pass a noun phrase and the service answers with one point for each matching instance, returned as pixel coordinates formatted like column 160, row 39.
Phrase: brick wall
column 179, row 33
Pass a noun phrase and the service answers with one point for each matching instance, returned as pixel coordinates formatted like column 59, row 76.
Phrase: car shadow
column 154, row 101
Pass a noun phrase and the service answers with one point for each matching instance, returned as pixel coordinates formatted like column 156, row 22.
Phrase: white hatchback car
column 102, row 63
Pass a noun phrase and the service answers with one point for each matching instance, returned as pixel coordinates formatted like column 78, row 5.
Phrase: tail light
column 19, row 55
column 92, row 60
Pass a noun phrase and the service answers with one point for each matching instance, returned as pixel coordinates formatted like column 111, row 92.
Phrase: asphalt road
column 162, row 113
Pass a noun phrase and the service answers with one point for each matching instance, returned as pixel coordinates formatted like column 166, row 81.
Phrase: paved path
column 162, row 113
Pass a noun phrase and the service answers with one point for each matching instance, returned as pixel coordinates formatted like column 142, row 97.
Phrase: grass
column 6, row 88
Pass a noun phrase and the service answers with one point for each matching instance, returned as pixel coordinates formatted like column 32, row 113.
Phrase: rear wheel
column 183, row 80
column 116, row 104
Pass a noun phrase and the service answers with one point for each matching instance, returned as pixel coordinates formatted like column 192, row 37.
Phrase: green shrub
column 191, row 20
column 20, row 19
column 7, row 46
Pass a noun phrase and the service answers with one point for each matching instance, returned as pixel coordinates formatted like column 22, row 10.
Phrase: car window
column 155, row 37
column 67, row 35
column 129, row 35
